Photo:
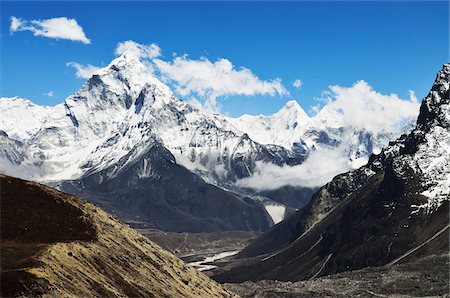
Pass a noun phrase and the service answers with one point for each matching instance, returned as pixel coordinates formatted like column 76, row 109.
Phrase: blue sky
column 394, row 46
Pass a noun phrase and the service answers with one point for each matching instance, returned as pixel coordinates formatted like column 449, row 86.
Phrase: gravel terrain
column 422, row 278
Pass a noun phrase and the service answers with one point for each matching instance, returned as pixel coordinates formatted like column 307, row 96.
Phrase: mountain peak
column 127, row 58
column 435, row 108
column 129, row 66
column 129, row 71
column 292, row 111
column 292, row 104
column 123, row 82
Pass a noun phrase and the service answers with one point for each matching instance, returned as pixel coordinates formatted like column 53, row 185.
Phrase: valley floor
column 425, row 277
column 192, row 247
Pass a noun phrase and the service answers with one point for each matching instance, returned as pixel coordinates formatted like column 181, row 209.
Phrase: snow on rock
column 432, row 158
column 276, row 212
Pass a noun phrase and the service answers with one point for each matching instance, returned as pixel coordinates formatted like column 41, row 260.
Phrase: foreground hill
column 394, row 209
column 57, row 245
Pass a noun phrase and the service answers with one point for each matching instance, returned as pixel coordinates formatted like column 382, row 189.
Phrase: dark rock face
column 157, row 192
column 361, row 218
column 371, row 227
column 290, row 196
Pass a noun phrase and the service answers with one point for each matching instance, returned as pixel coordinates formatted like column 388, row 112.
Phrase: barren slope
column 422, row 278
column 54, row 244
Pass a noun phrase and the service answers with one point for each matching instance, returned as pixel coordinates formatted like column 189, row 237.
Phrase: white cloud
column 15, row 24
column 209, row 79
column 58, row 28
column 318, row 169
column 202, row 78
column 142, row 51
column 83, row 71
column 50, row 93
column 297, row 83
column 362, row 107
column 315, row 109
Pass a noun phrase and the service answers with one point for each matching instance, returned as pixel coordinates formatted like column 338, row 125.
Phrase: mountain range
column 127, row 143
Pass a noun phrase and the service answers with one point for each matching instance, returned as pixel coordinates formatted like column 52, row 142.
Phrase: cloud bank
column 57, row 28
column 210, row 80
column 360, row 106
column 318, row 169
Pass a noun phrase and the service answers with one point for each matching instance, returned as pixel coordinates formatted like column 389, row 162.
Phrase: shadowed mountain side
column 157, row 193
column 58, row 245
column 359, row 232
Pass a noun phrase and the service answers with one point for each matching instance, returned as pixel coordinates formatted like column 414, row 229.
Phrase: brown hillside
column 55, row 244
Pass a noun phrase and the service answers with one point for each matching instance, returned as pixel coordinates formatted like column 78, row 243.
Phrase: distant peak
column 294, row 109
column 292, row 104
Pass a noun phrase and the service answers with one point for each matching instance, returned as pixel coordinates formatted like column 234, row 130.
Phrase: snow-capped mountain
column 292, row 129
column 123, row 106
column 125, row 127
column 395, row 209
column 283, row 128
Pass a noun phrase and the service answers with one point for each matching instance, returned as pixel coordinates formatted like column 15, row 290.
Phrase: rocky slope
column 426, row 277
column 393, row 209
column 57, row 245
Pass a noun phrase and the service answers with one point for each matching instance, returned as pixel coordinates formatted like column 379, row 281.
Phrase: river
column 205, row 264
